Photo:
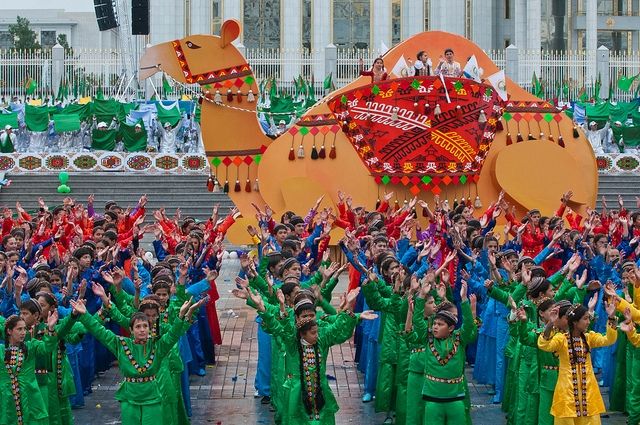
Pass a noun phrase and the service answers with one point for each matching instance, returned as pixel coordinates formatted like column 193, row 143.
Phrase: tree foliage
column 24, row 38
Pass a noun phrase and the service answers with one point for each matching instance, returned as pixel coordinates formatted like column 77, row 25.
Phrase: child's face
column 311, row 336
column 163, row 296
column 582, row 325
column 441, row 329
column 140, row 330
column 429, row 307
column 29, row 318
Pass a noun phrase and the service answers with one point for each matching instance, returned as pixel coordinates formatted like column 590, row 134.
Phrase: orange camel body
column 533, row 174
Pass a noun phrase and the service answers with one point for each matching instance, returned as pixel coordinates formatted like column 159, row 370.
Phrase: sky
column 68, row 5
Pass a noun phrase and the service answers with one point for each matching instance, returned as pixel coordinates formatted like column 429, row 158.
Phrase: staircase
column 187, row 192
column 611, row 186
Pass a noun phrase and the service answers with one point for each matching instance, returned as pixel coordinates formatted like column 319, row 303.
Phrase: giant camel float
column 533, row 173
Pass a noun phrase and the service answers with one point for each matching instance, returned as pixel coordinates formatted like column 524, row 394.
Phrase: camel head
column 195, row 58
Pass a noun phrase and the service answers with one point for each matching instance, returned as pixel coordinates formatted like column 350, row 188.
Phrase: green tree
column 62, row 40
column 24, row 37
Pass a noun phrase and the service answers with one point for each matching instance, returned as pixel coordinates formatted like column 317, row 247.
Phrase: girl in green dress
column 22, row 402
column 139, row 360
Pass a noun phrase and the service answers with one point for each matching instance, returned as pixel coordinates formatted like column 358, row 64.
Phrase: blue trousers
column 73, row 353
column 263, row 374
column 87, row 362
column 198, row 362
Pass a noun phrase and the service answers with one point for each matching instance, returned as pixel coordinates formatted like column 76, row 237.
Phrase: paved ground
column 225, row 395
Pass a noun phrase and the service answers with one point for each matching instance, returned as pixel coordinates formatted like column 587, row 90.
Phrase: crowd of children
column 534, row 308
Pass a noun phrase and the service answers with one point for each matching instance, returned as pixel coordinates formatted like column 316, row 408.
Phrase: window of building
column 468, row 23
column 427, row 14
column 616, row 41
column 47, row 39
column 396, row 22
column 507, row 9
column 6, row 40
column 507, row 42
column 306, row 24
column 351, row 23
column 554, row 25
column 216, row 16
column 262, row 23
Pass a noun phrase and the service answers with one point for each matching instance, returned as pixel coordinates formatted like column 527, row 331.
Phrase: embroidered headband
column 304, row 321
column 302, row 302
column 448, row 317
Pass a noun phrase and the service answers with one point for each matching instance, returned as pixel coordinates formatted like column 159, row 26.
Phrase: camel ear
column 230, row 31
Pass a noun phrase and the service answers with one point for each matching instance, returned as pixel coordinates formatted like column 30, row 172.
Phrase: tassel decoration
column 210, row 184
column 300, row 151
column 427, row 109
column 509, row 141
column 236, row 187
column 458, row 112
column 314, row 152
column 396, row 206
column 216, row 185
column 323, row 152
column 229, row 96
column 247, row 186
column 551, row 137
column 332, row 152
column 394, row 114
column 561, row 141
column 477, row 203
column 256, row 186
column 239, row 96
column 499, row 126
column 541, row 136
column 226, row 186
column 292, row 155
column 482, row 119
column 251, row 97
column 416, row 107
column 575, row 132
column 530, row 137
column 519, row 138
column 345, row 127
column 455, row 202
column 437, row 111
column 217, row 98
column 378, row 203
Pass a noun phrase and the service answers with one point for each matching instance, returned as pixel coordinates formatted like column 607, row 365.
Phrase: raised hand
column 352, row 295
column 610, row 306
column 52, row 319
column 256, row 299
column 368, row 315
column 78, row 306
column 582, row 279
column 463, row 290
column 592, row 302
column 184, row 308
column 554, row 313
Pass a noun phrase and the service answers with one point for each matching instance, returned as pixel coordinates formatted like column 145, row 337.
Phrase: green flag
column 625, row 83
column 596, row 87
column 328, row 82
column 99, row 93
column 66, row 122
column 83, row 87
column 63, row 92
column 565, row 89
column 134, row 141
column 166, row 87
column 582, row 96
column 536, row 86
column 9, row 119
column 273, row 89
column 31, row 85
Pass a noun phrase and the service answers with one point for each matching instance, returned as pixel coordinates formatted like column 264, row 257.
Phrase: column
column 534, row 26
column 411, row 17
column 200, row 16
column 592, row 37
column 321, row 35
column 447, row 16
column 521, row 22
column 482, row 25
column 380, row 24
column 290, row 38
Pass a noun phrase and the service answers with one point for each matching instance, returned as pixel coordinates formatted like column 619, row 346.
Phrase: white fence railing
column 84, row 73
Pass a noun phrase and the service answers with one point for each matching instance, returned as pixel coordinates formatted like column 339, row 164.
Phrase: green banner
column 103, row 140
column 8, row 119
column 36, row 118
column 66, row 122
column 84, row 111
column 171, row 115
column 631, row 135
column 134, row 141
column 105, row 110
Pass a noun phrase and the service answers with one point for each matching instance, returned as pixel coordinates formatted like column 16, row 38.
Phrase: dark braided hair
column 574, row 315
column 10, row 324
column 319, row 396
column 150, row 302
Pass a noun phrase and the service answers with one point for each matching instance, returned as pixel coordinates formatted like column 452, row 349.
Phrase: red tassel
column 345, row 128
column 416, row 107
column 292, row 155
column 561, row 141
column 499, row 126
column 551, row 137
column 427, row 109
column 509, row 141
column 519, row 138
column 210, row 184
column 237, row 188
column 332, row 152
column 396, row 206
column 229, row 96
column 239, row 96
column 323, row 153
column 247, row 186
column 458, row 112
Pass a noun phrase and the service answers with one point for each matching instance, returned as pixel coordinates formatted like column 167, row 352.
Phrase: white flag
column 401, row 68
column 472, row 70
column 383, row 48
column 499, row 82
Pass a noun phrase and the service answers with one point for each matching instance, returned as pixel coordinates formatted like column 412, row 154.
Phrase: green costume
column 444, row 386
column 22, row 402
column 415, row 379
column 139, row 394
column 305, row 370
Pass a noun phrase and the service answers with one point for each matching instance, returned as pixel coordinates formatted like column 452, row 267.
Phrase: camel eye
column 192, row 45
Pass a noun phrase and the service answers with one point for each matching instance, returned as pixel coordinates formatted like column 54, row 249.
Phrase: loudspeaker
column 140, row 17
column 105, row 15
